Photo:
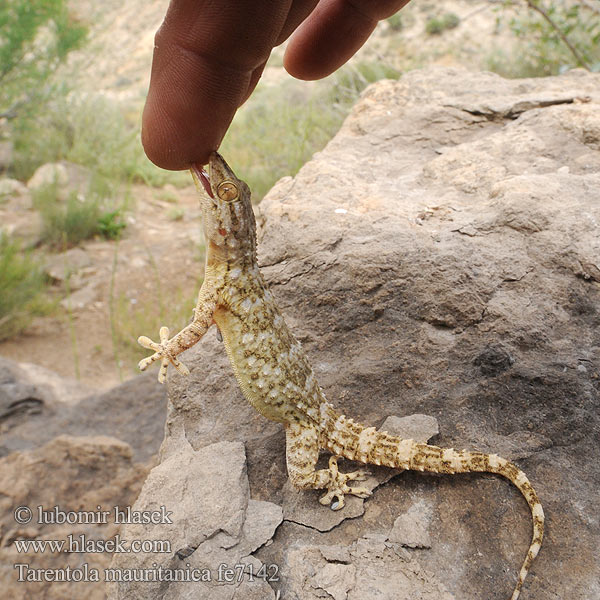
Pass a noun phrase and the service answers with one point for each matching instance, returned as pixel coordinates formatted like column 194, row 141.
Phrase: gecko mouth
column 203, row 178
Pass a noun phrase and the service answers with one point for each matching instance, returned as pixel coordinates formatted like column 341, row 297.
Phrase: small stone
column 61, row 266
column 49, row 174
column 494, row 359
column 81, row 298
column 335, row 580
column 412, row 528
column 27, row 226
column 415, row 427
column 339, row 554
column 10, row 188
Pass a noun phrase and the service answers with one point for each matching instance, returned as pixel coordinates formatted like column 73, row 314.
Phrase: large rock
column 10, row 188
column 67, row 265
column 30, row 393
column 440, row 256
column 16, row 216
column 66, row 176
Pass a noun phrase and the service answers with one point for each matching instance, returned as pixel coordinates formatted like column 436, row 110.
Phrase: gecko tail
column 366, row 445
column 417, row 456
column 423, row 457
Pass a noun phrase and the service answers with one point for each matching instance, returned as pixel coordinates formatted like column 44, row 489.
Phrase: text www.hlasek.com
column 81, row 543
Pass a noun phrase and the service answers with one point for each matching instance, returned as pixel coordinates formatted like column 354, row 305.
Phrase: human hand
column 209, row 56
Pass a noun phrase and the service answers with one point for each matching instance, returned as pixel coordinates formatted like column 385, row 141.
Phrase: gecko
column 276, row 377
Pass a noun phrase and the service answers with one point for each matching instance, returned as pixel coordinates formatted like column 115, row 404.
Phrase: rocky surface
column 439, row 259
column 214, row 522
column 29, row 393
column 36, row 406
column 112, row 441
column 67, row 475
column 440, row 256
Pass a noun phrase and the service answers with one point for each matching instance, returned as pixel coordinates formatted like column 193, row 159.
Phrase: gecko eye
column 227, row 191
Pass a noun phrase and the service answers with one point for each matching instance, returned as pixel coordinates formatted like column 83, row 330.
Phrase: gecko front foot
column 337, row 486
column 162, row 353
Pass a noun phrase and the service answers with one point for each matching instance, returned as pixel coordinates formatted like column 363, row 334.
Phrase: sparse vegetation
column 70, row 320
column 66, row 222
column 130, row 316
column 88, row 130
column 22, row 285
column 167, row 195
column 273, row 135
column 437, row 25
column 175, row 214
column 76, row 217
column 552, row 37
column 46, row 120
column 35, row 38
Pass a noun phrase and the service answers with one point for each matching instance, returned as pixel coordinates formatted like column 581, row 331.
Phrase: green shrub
column 22, row 284
column 68, row 221
column 437, row 25
column 347, row 84
column 111, row 224
column 65, row 222
column 35, row 38
column 552, row 38
column 44, row 119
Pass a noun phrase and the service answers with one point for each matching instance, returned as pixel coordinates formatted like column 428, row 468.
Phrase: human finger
column 208, row 57
column 333, row 33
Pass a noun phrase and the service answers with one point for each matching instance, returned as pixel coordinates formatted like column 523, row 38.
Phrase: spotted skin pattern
column 276, row 377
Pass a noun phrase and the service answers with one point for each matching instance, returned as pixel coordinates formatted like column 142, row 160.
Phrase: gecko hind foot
column 337, row 487
column 161, row 352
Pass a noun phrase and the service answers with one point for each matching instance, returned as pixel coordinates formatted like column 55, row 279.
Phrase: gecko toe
column 334, row 498
column 360, row 492
column 146, row 362
column 146, row 342
column 360, row 475
column 327, row 498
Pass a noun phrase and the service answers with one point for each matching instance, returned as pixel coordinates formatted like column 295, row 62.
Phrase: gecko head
column 226, row 208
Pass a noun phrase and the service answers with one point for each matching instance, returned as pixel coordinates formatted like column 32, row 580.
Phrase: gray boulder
column 441, row 256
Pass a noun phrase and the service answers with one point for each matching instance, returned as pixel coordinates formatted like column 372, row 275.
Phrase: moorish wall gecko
column 275, row 375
